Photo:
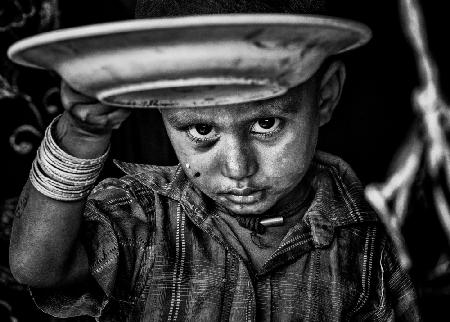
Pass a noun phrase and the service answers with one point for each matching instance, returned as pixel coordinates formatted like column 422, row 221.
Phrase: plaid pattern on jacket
column 157, row 252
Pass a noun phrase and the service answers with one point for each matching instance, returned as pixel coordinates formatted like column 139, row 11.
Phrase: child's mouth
column 243, row 195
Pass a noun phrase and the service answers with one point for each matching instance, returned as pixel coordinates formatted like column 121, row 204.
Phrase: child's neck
column 260, row 246
column 278, row 215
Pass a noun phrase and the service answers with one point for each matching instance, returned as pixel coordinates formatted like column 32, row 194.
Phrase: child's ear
column 330, row 89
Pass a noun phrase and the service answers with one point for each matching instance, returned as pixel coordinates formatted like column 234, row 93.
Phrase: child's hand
column 89, row 114
column 85, row 128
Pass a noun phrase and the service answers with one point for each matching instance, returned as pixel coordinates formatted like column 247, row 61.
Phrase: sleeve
column 400, row 290
column 114, row 233
column 392, row 296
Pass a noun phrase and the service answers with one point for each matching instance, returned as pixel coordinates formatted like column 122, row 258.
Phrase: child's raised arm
column 45, row 250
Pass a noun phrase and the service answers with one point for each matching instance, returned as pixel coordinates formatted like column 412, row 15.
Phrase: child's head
column 248, row 156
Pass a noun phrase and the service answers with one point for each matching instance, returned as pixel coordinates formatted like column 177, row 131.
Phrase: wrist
column 61, row 175
column 78, row 141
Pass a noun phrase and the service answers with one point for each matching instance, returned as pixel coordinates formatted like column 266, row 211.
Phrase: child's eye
column 201, row 132
column 267, row 126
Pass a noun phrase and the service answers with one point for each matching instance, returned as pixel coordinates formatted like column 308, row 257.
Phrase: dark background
column 368, row 127
column 370, row 123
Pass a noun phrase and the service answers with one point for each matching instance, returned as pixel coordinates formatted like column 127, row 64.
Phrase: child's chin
column 247, row 210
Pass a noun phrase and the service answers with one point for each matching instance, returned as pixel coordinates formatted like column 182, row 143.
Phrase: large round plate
column 190, row 61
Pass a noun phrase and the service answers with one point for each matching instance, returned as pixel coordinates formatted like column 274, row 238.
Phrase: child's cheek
column 289, row 162
column 191, row 170
column 195, row 168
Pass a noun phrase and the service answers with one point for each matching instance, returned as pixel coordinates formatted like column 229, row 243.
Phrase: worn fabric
column 158, row 252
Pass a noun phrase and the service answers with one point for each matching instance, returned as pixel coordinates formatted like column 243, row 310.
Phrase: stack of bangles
column 58, row 175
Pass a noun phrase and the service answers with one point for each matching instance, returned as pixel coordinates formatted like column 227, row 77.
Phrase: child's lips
column 243, row 195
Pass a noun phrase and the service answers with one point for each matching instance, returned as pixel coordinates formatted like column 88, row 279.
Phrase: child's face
column 247, row 156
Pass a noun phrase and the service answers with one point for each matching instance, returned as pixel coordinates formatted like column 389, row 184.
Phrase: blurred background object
column 23, row 118
column 414, row 202
column 374, row 119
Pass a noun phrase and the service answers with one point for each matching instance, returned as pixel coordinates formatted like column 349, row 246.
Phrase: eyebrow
column 182, row 118
column 189, row 116
column 289, row 106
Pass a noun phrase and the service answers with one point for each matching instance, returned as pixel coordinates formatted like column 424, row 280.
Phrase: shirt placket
column 197, row 215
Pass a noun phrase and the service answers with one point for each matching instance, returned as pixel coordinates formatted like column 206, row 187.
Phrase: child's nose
column 239, row 161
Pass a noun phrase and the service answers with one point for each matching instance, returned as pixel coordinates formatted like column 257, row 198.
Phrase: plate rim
column 126, row 26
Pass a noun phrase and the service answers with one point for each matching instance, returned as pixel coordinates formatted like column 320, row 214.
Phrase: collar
column 171, row 182
column 338, row 201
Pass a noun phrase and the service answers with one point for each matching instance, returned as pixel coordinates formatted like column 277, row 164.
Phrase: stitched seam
column 249, row 304
column 289, row 248
column 97, row 267
column 178, row 269
column 175, row 271
column 183, row 258
column 382, row 308
column 293, row 240
column 230, row 281
column 367, row 269
column 309, row 290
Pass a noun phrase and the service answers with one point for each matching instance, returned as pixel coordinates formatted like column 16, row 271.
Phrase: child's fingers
column 90, row 113
column 118, row 116
column 70, row 97
column 111, row 120
column 86, row 111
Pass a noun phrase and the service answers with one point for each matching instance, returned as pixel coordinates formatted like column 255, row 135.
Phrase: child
column 253, row 224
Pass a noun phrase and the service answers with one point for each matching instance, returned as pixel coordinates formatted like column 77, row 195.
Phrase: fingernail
column 84, row 115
